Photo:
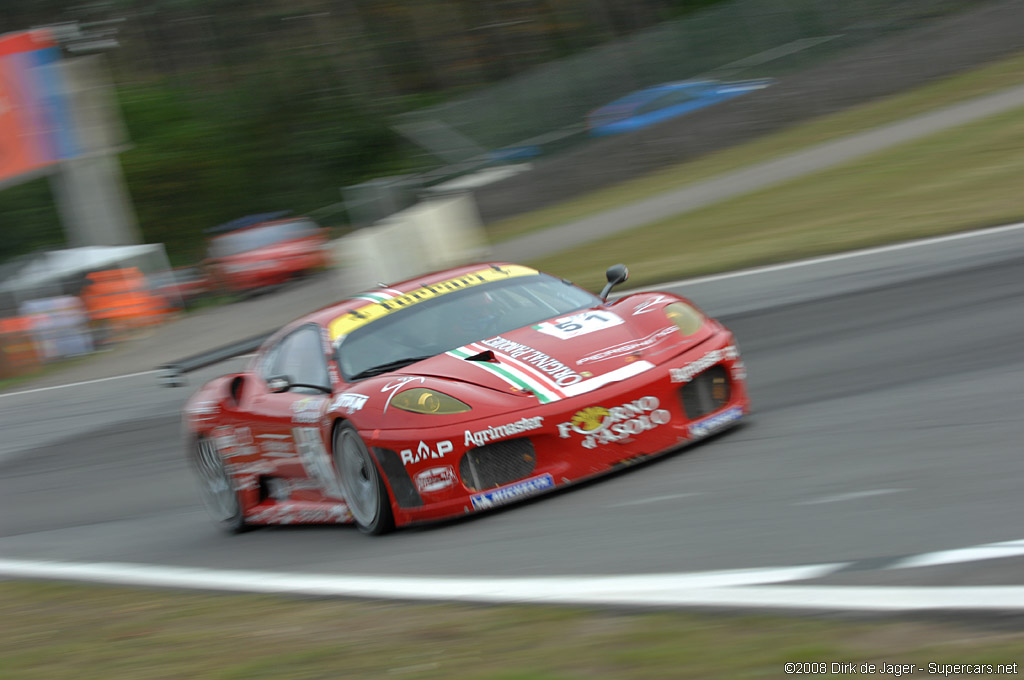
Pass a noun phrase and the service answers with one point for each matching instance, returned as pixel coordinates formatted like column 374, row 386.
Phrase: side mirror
column 616, row 274
column 279, row 383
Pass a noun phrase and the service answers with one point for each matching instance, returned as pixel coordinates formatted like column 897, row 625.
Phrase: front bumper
column 477, row 465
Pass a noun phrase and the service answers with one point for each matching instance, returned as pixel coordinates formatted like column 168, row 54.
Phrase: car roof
column 326, row 315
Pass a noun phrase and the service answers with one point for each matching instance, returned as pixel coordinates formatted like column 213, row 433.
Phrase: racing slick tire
column 215, row 487
column 365, row 492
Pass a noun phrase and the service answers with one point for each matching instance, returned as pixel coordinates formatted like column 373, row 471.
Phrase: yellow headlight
column 422, row 400
column 687, row 319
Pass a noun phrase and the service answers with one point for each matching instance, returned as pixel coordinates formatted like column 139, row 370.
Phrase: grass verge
column 97, row 632
column 959, row 179
column 987, row 80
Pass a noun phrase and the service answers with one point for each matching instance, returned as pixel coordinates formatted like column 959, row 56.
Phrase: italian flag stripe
column 511, row 376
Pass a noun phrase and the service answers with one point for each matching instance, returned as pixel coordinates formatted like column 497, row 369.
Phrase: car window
column 670, row 98
column 300, row 357
column 456, row 319
column 252, row 238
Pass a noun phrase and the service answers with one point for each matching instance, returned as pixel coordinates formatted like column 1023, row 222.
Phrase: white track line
column 934, row 240
column 978, row 233
column 657, row 499
column 710, row 589
column 76, row 384
column 851, row 496
column 972, row 554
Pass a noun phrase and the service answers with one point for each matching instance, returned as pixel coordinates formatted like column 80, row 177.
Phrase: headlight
column 422, row 400
column 687, row 319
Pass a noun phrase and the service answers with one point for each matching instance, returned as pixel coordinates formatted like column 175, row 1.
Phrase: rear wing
column 173, row 374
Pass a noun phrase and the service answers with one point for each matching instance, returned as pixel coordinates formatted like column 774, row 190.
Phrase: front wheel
column 365, row 492
column 215, row 487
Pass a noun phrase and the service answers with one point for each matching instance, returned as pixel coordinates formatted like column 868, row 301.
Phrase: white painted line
column 541, row 589
column 656, row 499
column 709, row 589
column 852, row 496
column 989, row 551
column 934, row 240
column 76, row 384
column 99, row 380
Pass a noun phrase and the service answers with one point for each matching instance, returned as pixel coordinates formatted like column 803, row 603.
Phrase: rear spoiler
column 173, row 374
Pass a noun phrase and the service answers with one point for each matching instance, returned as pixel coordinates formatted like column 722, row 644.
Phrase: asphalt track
column 888, row 390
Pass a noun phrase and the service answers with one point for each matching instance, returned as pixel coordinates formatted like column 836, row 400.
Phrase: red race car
column 454, row 393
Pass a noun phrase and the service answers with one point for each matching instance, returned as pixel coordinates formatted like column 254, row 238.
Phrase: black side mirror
column 616, row 274
column 279, row 383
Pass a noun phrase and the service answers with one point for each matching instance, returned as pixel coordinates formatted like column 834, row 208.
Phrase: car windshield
column 456, row 319
column 244, row 240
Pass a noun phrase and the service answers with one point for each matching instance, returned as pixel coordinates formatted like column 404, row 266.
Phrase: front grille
column 707, row 392
column 492, row 465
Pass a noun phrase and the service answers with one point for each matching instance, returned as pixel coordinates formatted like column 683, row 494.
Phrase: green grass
column 56, row 631
column 992, row 78
column 960, row 179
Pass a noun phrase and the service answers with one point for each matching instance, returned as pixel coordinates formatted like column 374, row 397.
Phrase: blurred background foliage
column 240, row 106
column 235, row 106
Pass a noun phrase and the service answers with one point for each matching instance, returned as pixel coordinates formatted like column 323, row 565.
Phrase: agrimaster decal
column 511, row 492
column 481, row 437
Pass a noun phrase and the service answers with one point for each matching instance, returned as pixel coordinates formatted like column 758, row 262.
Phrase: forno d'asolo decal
column 600, row 425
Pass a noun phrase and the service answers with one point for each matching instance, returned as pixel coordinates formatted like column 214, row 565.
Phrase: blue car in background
column 652, row 105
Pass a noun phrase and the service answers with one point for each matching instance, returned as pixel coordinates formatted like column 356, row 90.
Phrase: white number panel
column 578, row 324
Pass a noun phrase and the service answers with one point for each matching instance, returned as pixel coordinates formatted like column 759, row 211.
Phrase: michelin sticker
column 703, row 428
column 511, row 492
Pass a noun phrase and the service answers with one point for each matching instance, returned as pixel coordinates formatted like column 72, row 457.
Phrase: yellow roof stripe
column 357, row 318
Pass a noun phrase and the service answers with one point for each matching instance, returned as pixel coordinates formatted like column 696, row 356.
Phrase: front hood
column 569, row 355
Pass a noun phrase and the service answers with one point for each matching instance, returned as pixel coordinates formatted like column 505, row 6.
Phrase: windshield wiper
column 389, row 366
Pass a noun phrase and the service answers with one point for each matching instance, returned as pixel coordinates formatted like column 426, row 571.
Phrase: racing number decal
column 578, row 324
column 315, row 459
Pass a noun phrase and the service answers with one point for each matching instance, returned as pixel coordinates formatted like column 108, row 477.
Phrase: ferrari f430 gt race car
column 457, row 392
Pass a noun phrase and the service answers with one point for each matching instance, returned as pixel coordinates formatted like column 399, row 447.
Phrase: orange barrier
column 18, row 351
column 119, row 302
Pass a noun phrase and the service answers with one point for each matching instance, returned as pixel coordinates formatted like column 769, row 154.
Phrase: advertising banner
column 36, row 126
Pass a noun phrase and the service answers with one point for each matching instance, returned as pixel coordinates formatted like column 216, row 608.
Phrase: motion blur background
column 188, row 114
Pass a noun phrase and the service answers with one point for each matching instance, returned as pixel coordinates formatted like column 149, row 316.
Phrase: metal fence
column 543, row 110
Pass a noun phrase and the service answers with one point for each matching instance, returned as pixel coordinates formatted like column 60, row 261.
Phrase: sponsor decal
column 561, row 374
column 316, row 460
column 481, row 437
column 296, row 513
column 703, row 428
column 578, row 324
column 307, row 409
column 243, row 435
column 687, row 373
column 648, row 305
column 253, row 468
column 630, row 346
column 351, row 402
column 435, row 479
column 600, row 425
column 277, row 448
column 203, row 408
column 357, row 318
column 511, row 492
column 396, row 385
column 226, row 441
column 424, row 452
